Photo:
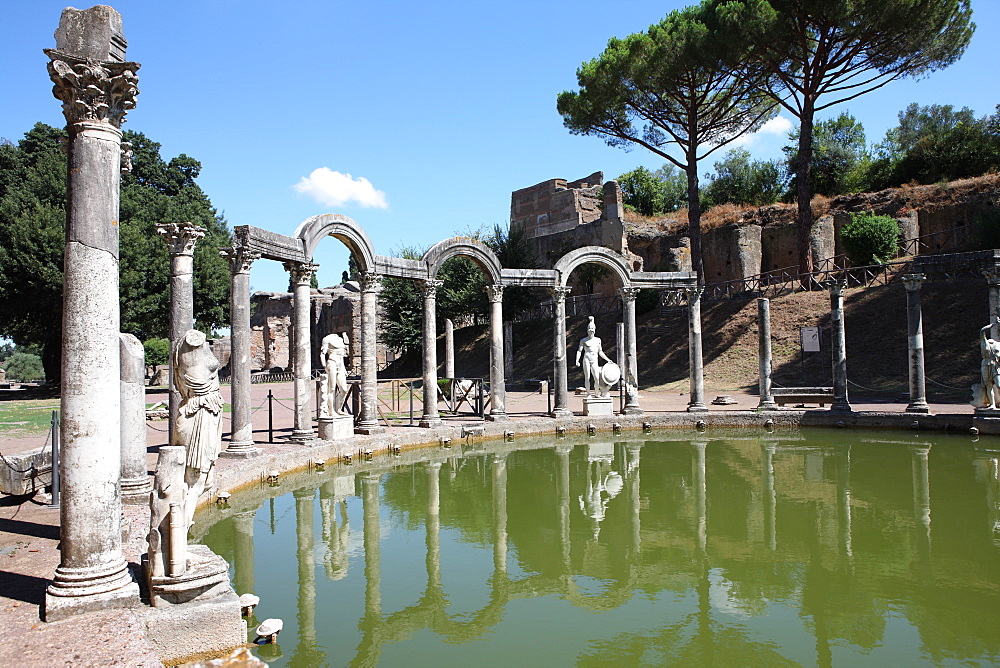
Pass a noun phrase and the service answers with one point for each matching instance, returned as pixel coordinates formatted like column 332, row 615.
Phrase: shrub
column 870, row 239
column 24, row 367
column 157, row 351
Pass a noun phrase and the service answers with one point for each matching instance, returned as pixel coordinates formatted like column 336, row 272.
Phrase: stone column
column 508, row 350
column 695, row 363
column 371, row 286
column 844, row 500
column 449, row 348
column 839, row 337
column 498, row 384
column 764, row 344
column 700, row 494
column 993, row 281
column 563, row 496
column 181, row 239
column 433, row 557
column 97, row 89
column 770, row 497
column 921, row 497
column 498, row 483
column 915, row 344
column 241, row 442
column 302, row 273
column 630, row 372
column 305, row 500
column 372, row 537
column 632, row 451
column 136, row 482
column 430, row 417
column 560, row 407
column 243, row 552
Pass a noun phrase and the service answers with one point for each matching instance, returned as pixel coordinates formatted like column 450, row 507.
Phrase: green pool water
column 678, row 548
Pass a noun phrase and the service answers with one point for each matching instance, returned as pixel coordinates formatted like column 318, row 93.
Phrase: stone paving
column 29, row 530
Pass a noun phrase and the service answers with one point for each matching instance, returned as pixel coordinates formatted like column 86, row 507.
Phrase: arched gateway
column 296, row 253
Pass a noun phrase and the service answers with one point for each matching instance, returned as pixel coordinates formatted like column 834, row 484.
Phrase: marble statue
column 987, row 393
column 597, row 379
column 333, row 390
column 199, row 418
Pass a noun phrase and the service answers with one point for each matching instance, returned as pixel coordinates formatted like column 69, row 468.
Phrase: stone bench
column 26, row 472
column 802, row 395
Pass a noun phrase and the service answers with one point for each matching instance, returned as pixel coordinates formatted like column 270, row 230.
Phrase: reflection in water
column 820, row 553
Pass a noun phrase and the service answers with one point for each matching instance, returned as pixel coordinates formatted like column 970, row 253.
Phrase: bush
column 157, row 351
column 24, row 367
column 870, row 239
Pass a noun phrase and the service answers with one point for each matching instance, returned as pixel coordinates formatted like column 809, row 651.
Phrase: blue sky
column 415, row 119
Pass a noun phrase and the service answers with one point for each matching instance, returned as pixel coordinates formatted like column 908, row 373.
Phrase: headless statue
column 333, row 350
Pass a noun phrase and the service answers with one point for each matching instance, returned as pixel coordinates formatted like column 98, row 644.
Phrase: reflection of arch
column 603, row 256
column 475, row 250
column 312, row 230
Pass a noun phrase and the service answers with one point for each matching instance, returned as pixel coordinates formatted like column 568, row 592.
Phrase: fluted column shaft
column 430, row 417
column 302, row 273
column 696, row 367
column 839, row 346
column 498, row 391
column 371, row 286
column 915, row 344
column 560, row 407
column 241, row 442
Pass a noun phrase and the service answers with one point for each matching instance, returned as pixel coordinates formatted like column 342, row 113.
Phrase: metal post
column 55, row 460
column 410, row 385
column 548, row 393
column 270, row 418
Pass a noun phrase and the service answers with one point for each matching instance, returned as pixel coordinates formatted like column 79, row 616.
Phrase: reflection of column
column 993, row 499
column 561, row 405
column 304, row 501
column 430, row 417
column 770, row 498
column 302, row 273
column 844, row 499
column 921, row 497
column 181, row 239
column 241, row 436
column 632, row 475
column 243, row 553
column 498, row 479
column 335, row 537
column 839, row 345
column 96, row 89
column 630, row 372
column 915, row 331
column 372, row 537
column 562, row 493
column 371, row 285
column 700, row 494
column 498, row 393
column 764, row 344
column 695, row 363
column 433, row 558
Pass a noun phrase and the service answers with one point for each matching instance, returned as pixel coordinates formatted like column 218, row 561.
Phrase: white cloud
column 332, row 188
column 779, row 126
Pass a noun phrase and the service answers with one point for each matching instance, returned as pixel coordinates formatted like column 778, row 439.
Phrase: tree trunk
column 52, row 361
column 694, row 214
column 803, row 187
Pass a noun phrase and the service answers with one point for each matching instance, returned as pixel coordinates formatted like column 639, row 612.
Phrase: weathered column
column 241, row 442
column 181, row 239
column 632, row 451
column 770, row 498
column 302, row 273
column 371, row 286
column 433, row 539
column 563, row 495
column 915, row 344
column 630, row 372
column 97, row 88
column 764, row 340
column 993, row 281
column 508, row 350
column 498, row 484
column 136, row 482
column 695, row 362
column 921, row 497
column 243, row 552
column 844, row 500
column 430, row 417
column 498, row 384
column 370, row 483
column 305, row 500
column 449, row 348
column 700, row 494
column 560, row 407
column 839, row 337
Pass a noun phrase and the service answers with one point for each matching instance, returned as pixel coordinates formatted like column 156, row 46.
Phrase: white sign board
column 810, row 339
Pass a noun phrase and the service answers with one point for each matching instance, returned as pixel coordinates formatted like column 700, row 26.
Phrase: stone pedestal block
column 206, row 577
column 598, row 406
column 332, row 428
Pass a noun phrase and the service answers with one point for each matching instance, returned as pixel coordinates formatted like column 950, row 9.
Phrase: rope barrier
column 11, row 467
column 868, row 389
column 960, row 389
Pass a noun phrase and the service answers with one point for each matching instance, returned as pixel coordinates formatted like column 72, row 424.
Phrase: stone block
column 595, row 406
column 26, row 472
column 211, row 626
column 333, row 428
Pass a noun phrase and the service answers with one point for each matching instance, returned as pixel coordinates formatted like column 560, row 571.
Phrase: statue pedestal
column 332, row 428
column 206, row 577
column 598, row 406
column 987, row 412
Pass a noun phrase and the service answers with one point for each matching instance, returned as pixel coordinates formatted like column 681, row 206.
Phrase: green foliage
column 514, row 251
column 157, row 351
column 986, row 231
column 6, row 350
column 740, row 180
column 402, row 309
column 646, row 301
column 870, row 239
column 653, row 193
column 839, row 156
column 937, row 143
column 24, row 367
column 32, row 237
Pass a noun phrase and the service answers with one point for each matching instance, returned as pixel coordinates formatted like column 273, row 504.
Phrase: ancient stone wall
column 556, row 205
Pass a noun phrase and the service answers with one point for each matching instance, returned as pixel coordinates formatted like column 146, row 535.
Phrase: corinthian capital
column 180, row 237
column 100, row 92
column 240, row 258
column 628, row 294
column 560, row 292
column 371, row 282
column 429, row 287
column 494, row 293
column 302, row 272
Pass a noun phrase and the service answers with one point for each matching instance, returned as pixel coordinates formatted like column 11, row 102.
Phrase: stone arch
column 475, row 250
column 312, row 230
column 604, row 256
